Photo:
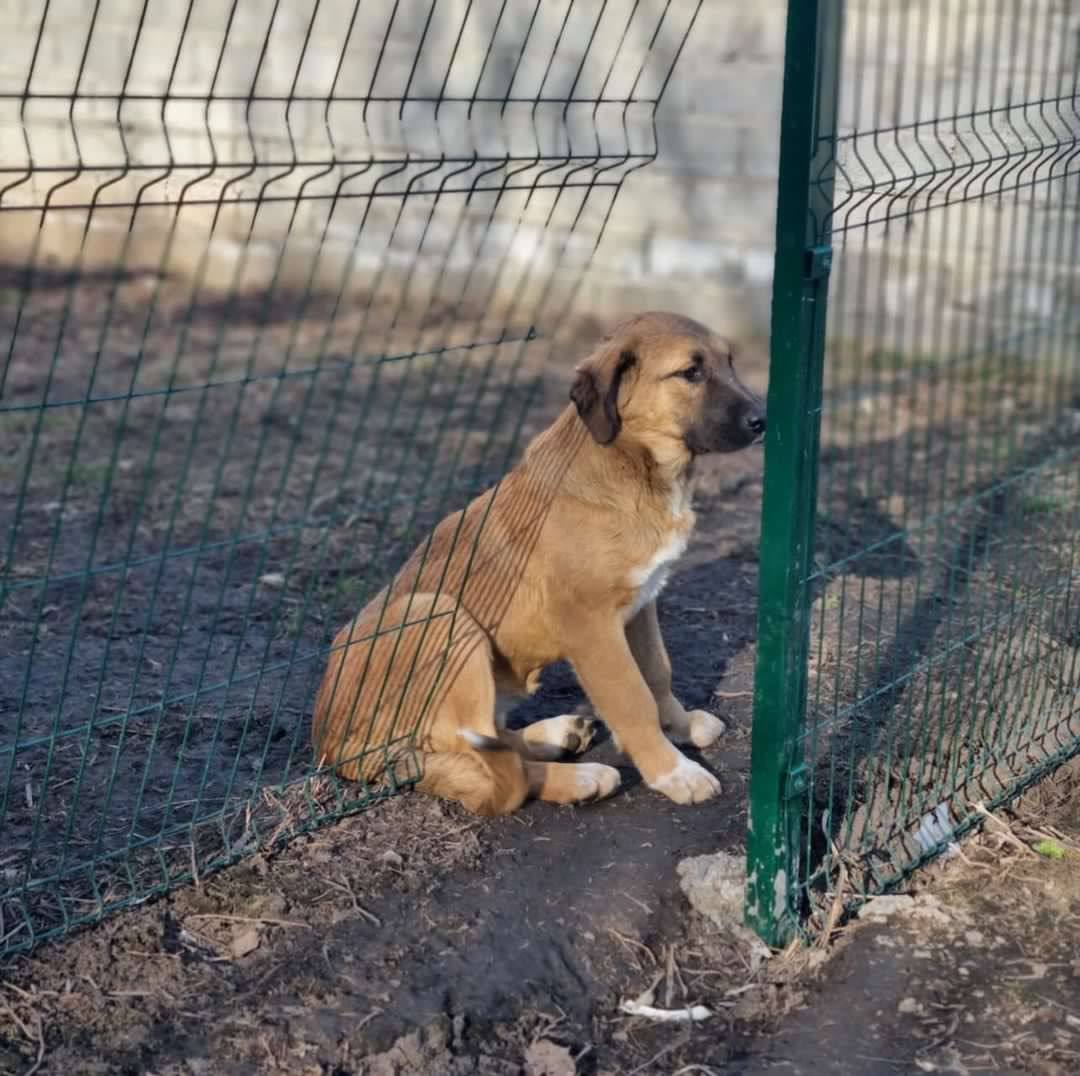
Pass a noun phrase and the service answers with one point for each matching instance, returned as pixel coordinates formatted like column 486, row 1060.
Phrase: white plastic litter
column 937, row 828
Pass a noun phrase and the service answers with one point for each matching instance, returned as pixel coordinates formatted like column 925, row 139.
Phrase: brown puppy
column 563, row 559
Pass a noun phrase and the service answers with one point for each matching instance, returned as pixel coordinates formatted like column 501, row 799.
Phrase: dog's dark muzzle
column 735, row 428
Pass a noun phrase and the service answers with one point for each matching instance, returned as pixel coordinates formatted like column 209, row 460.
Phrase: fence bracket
column 818, row 262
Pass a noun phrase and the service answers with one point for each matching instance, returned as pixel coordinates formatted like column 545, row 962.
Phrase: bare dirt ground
column 976, row 971
column 416, row 940
column 411, row 939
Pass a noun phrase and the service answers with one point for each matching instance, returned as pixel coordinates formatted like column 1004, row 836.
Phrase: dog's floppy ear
column 595, row 392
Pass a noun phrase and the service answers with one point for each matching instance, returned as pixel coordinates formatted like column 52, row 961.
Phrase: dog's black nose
column 755, row 423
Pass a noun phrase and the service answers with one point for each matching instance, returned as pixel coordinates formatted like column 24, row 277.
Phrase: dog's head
column 668, row 384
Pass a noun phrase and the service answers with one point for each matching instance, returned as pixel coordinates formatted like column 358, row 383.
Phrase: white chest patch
column 652, row 577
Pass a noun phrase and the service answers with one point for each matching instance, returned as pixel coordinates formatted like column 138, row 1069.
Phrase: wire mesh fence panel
column 931, row 660
column 276, row 282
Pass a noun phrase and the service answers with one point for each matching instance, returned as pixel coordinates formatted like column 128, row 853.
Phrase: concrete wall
column 694, row 229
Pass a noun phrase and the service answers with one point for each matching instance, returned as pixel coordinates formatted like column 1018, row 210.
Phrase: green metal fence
column 276, row 285
column 919, row 633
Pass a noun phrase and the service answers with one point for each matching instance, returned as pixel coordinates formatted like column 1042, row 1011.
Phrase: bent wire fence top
column 275, row 278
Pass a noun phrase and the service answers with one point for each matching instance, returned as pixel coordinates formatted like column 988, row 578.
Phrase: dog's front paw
column 704, row 728
column 596, row 781
column 687, row 783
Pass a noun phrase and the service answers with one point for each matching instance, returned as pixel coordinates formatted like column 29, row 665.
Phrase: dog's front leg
column 606, row 668
column 697, row 727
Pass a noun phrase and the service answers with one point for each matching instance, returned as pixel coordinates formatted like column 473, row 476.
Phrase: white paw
column 595, row 781
column 567, row 732
column 705, row 728
column 687, row 783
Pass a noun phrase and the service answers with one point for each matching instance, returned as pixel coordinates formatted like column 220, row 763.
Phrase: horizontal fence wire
column 277, row 289
column 944, row 661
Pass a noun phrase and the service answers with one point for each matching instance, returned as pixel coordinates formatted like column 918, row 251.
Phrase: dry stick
column 659, row 1054
column 37, row 1036
column 669, row 977
column 681, row 981
column 1003, row 827
column 250, row 919
column 732, row 694
column 15, row 1016
column 40, row 1048
column 195, row 867
column 632, row 942
column 837, row 907
column 347, row 888
column 1049, row 834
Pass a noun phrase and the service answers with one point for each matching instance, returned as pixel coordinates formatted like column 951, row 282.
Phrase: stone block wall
column 508, row 196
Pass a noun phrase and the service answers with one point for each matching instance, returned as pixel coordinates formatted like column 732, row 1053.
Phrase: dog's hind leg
column 418, row 673
column 488, row 779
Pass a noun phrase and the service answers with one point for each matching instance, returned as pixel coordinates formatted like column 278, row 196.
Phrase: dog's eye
column 692, row 374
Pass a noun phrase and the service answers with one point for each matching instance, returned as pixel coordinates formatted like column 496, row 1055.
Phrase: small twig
column 250, row 919
column 632, row 942
column 40, row 1047
column 195, row 868
column 836, row 909
column 366, row 1020
column 37, row 1036
column 732, row 694
column 679, row 978
column 1049, row 834
column 346, row 888
column 1004, row 829
column 15, row 1016
column 656, row 1057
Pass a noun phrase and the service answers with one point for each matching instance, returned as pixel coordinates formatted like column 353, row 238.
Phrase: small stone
column 909, row 1006
column 886, row 905
column 245, row 940
column 266, row 906
column 547, row 1058
column 391, row 858
column 715, row 886
column 274, row 580
column 974, row 937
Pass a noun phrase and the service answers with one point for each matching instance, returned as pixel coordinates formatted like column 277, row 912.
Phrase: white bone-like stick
column 667, row 1016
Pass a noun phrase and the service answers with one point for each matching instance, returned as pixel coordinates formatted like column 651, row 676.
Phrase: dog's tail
column 489, row 778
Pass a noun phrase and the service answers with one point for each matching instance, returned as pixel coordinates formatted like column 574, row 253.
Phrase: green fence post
column 800, row 288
